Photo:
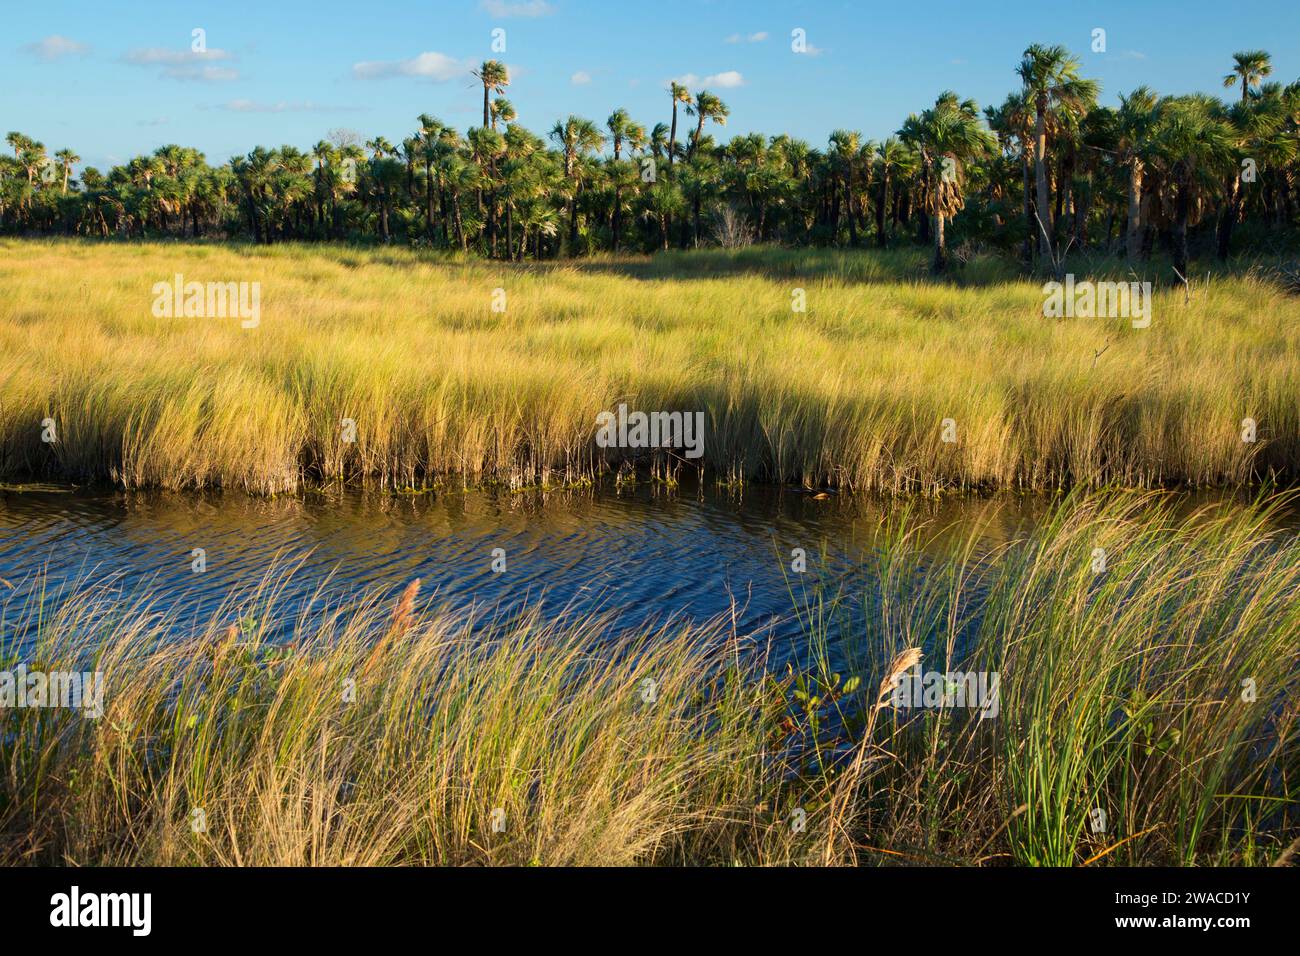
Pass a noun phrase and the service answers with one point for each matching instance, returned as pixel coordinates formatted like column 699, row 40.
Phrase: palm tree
column 889, row 156
column 1194, row 147
column 1249, row 68
column 29, row 153
column 503, row 110
column 349, row 156
column 253, row 173
column 1258, row 127
column 485, row 146
column 381, row 178
column 797, row 160
column 430, row 131
column 292, row 188
column 1051, row 79
column 1134, row 120
column 622, row 129
column 577, row 137
column 325, row 155
column 410, row 152
column 659, row 141
column 495, row 78
column 706, row 107
column 67, row 158
column 949, row 137
column 519, row 181
column 844, row 150
column 698, row 177
column 18, row 142
column 663, row 201
column 461, row 176
column 1013, row 122
column 679, row 94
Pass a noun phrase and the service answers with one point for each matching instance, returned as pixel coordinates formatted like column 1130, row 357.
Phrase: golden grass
column 851, row 393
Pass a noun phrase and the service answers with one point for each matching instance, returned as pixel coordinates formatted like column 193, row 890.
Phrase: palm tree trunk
column 1062, row 186
column 442, row 203
column 672, row 137
column 1135, row 211
column 1182, row 211
column 617, row 205
column 923, row 231
column 1027, row 247
column 837, row 207
column 853, row 224
column 460, row 222
column 428, row 198
column 940, row 249
column 880, row 208
column 1044, row 229
column 320, row 204
column 1081, row 209
column 573, row 222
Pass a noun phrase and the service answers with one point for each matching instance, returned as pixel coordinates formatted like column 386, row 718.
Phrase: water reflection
column 641, row 553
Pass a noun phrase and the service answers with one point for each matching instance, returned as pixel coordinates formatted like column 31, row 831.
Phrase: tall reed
column 1159, row 687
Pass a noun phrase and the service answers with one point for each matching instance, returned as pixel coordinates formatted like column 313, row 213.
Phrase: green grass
column 851, row 393
column 1120, row 690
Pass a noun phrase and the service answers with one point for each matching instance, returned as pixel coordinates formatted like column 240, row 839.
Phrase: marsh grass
column 851, row 393
column 1120, row 690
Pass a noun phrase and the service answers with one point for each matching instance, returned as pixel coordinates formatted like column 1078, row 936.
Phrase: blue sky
column 112, row 80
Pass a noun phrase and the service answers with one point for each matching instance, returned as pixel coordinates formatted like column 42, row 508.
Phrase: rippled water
column 641, row 554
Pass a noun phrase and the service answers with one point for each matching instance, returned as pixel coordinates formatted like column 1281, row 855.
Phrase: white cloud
column 758, row 37
column 186, row 64
column 206, row 74
column 307, row 106
column 203, row 74
column 728, row 79
column 149, row 55
column 581, row 78
column 55, row 46
column 437, row 67
column 504, row 9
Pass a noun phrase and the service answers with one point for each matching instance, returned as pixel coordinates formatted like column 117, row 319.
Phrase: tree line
column 1045, row 172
